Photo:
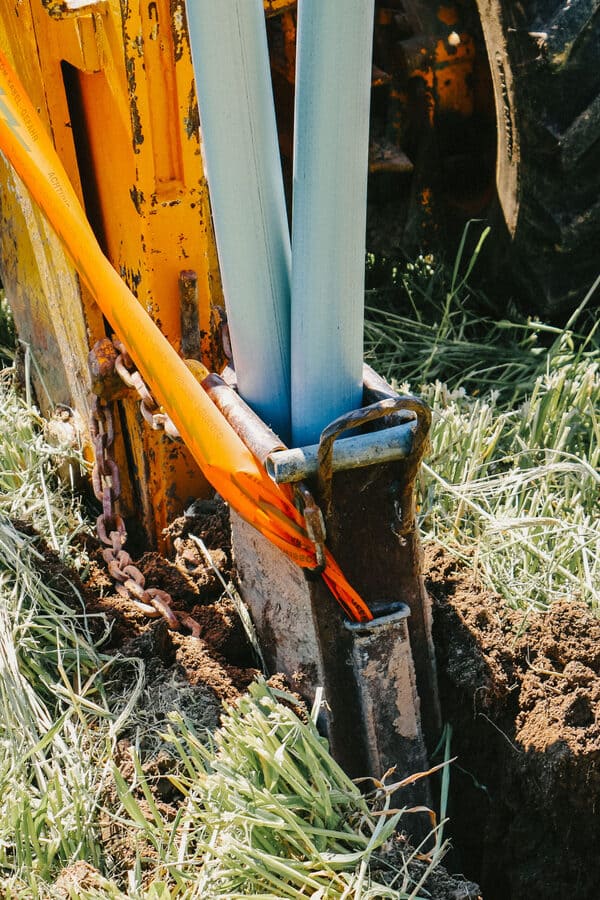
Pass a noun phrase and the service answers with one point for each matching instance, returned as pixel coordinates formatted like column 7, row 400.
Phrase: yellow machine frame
column 114, row 84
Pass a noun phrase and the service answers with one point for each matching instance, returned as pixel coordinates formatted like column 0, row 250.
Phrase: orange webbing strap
column 225, row 461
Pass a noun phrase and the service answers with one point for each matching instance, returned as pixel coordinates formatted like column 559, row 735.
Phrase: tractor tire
column 543, row 56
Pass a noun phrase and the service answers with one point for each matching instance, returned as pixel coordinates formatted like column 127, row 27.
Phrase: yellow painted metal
column 43, row 288
column 227, row 463
column 113, row 81
column 276, row 7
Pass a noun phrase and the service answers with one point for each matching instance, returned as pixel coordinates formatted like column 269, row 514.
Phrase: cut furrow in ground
column 521, row 693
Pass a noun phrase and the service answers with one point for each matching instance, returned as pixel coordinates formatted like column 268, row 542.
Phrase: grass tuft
column 268, row 813
column 57, row 725
column 511, row 483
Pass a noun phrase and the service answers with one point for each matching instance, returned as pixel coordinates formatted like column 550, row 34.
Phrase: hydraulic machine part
column 156, row 287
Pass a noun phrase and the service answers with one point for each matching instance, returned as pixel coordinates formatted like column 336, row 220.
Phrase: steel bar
column 241, row 156
column 285, row 466
column 331, row 138
column 188, row 312
column 387, row 696
column 259, row 439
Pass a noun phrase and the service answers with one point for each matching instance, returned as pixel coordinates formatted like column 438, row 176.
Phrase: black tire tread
column 553, row 52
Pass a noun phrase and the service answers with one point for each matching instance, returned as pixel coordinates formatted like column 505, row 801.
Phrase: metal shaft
column 259, row 439
column 331, row 130
column 241, row 155
column 285, row 466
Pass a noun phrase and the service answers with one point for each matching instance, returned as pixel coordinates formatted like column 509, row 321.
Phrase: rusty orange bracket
column 225, row 461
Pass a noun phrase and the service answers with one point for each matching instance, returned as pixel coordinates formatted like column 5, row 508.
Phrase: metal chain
column 314, row 523
column 148, row 406
column 110, row 525
column 313, row 517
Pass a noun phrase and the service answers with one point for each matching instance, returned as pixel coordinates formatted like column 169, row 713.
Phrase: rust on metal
column 383, row 408
column 190, row 323
column 112, row 531
column 192, row 118
column 371, row 526
column 315, row 524
column 178, row 25
column 137, row 132
column 137, row 198
column 149, row 408
column 161, row 601
column 257, row 436
column 127, row 64
column 388, row 702
column 105, row 381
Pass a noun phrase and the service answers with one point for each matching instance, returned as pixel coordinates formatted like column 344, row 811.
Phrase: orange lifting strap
column 225, row 461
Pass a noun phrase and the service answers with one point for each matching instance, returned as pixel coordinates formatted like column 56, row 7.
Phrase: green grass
column 511, row 481
column 61, row 698
column 49, row 785
column 29, row 487
column 268, row 813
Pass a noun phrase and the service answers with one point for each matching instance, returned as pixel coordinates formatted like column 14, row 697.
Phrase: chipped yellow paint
column 275, row 7
column 454, row 75
column 114, row 83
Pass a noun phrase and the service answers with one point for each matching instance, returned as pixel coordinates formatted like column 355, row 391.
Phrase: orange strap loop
column 225, row 461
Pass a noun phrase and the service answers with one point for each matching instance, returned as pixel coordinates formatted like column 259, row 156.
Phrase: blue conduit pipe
column 241, row 157
column 331, row 135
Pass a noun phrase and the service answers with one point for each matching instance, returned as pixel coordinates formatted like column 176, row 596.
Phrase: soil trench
column 522, row 696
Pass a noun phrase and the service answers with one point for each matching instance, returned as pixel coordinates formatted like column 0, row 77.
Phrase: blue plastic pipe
column 331, row 136
column 241, row 157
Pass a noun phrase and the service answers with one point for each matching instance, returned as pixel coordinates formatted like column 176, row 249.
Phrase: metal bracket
column 356, row 418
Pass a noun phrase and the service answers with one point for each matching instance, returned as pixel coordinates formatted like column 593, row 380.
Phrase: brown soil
column 220, row 656
column 522, row 696
column 193, row 675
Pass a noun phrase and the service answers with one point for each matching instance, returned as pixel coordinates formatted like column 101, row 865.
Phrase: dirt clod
column 78, row 877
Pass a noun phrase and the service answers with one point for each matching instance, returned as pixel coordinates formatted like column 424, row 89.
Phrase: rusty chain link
column 110, row 525
column 314, row 523
column 149, row 407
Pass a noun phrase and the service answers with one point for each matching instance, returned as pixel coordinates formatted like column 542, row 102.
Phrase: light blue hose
column 331, row 136
column 242, row 163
